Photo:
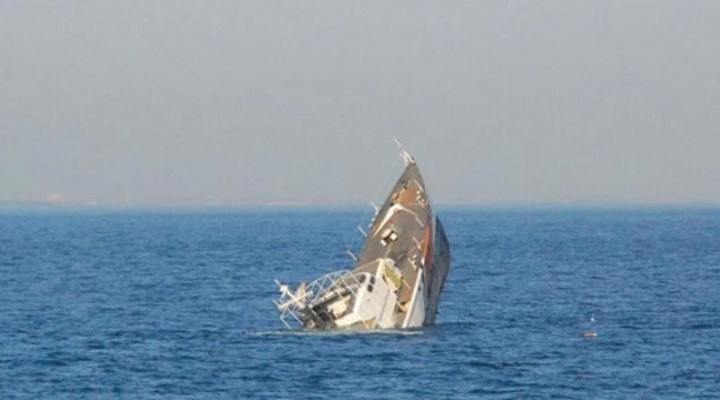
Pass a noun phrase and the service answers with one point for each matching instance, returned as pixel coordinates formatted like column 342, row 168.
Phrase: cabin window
column 388, row 236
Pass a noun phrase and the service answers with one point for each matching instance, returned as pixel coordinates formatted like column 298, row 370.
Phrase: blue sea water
column 165, row 304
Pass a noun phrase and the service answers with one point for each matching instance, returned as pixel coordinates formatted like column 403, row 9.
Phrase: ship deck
column 402, row 231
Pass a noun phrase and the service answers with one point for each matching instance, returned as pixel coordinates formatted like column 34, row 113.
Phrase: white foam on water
column 300, row 332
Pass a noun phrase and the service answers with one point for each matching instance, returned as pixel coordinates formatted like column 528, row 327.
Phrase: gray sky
column 297, row 101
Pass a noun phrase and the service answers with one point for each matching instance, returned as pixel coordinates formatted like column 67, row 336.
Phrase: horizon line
column 311, row 204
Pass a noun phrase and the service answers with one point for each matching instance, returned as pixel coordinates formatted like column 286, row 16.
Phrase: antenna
column 407, row 158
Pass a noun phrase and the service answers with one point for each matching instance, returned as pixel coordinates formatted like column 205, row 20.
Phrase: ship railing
column 295, row 307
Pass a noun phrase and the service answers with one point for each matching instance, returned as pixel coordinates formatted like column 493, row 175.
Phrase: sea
column 177, row 304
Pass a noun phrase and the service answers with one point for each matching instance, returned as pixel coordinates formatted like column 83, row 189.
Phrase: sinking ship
column 397, row 278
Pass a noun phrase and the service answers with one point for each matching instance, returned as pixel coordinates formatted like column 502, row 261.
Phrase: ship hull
column 399, row 274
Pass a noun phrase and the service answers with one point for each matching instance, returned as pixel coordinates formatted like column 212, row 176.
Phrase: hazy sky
column 255, row 101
